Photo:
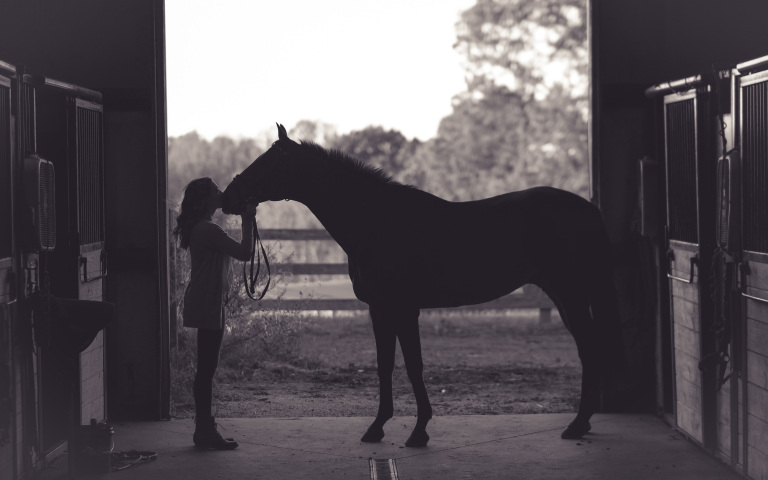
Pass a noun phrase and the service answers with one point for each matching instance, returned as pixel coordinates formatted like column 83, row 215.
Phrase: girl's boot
column 207, row 435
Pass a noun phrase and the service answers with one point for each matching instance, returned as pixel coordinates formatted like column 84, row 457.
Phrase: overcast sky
column 235, row 67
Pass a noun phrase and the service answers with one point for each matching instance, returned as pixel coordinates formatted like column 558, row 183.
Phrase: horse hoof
column 373, row 435
column 575, row 430
column 417, row 439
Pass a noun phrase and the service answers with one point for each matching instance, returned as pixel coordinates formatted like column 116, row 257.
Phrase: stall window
column 681, row 170
column 755, row 165
column 90, row 173
column 6, row 233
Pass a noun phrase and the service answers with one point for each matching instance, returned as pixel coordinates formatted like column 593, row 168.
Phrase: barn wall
column 751, row 88
column 639, row 44
column 7, row 383
column 757, row 370
column 116, row 48
column 687, row 346
column 636, row 45
column 8, row 408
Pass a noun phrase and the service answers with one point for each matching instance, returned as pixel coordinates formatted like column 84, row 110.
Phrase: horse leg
column 576, row 316
column 384, row 333
column 590, row 392
column 410, row 344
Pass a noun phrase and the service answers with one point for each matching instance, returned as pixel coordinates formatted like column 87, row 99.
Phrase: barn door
column 86, row 137
column 7, row 281
column 752, row 98
column 683, row 257
column 67, row 130
column 88, row 156
column 689, row 170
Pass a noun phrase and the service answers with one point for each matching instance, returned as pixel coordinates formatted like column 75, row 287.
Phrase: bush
column 251, row 336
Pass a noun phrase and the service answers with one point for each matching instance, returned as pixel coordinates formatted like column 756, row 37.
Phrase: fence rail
column 528, row 297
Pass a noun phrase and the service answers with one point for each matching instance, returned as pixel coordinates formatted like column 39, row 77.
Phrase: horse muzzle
column 231, row 207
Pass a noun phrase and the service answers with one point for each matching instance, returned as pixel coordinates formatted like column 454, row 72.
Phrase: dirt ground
column 473, row 364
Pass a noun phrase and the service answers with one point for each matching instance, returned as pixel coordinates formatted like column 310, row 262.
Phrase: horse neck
column 344, row 204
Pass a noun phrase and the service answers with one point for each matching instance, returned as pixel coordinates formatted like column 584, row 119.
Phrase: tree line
column 521, row 122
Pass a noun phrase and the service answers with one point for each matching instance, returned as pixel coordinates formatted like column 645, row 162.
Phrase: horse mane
column 351, row 164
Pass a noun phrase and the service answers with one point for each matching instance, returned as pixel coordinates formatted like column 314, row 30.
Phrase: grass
column 290, row 363
column 481, row 364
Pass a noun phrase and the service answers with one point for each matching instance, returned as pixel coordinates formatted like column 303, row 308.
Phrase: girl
column 210, row 249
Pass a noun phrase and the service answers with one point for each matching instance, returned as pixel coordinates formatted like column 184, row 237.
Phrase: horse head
column 266, row 179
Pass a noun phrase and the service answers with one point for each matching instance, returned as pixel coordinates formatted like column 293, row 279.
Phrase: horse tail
column 603, row 301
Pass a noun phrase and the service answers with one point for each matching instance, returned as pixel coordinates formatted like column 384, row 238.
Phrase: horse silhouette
column 410, row 250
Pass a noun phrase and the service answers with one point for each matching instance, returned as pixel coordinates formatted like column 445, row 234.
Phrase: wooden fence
column 528, row 297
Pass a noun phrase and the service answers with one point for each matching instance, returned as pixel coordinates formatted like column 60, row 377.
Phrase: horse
column 409, row 250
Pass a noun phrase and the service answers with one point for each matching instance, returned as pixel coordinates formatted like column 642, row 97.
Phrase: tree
column 525, row 46
column 314, row 131
column 375, row 146
column 190, row 156
column 517, row 125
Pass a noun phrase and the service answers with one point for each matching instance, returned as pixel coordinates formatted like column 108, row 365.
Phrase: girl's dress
column 210, row 250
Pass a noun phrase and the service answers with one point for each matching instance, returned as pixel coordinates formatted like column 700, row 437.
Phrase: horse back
column 458, row 253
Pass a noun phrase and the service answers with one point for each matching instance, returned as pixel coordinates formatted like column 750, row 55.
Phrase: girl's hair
column 193, row 208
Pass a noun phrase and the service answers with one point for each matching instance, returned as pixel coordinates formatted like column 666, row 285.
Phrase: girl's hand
column 250, row 211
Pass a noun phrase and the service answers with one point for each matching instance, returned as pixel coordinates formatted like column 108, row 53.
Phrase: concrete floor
column 620, row 446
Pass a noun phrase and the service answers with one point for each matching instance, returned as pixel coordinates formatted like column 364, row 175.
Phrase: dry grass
column 474, row 364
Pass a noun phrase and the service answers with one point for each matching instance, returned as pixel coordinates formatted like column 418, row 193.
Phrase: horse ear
column 281, row 133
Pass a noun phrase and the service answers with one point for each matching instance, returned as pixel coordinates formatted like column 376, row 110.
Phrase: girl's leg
column 206, row 434
column 208, row 346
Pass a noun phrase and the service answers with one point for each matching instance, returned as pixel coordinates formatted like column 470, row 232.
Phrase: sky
column 236, row 67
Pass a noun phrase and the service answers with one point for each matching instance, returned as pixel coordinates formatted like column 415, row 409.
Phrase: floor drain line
column 383, row 469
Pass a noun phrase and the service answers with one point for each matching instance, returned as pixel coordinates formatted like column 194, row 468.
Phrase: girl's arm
column 247, row 223
column 217, row 238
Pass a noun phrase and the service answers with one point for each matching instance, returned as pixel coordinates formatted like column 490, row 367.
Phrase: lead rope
column 250, row 284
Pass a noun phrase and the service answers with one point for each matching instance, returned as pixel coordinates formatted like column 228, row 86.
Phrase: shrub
column 251, row 335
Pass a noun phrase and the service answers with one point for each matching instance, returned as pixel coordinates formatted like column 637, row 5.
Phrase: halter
column 250, row 283
column 250, row 280
column 239, row 181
